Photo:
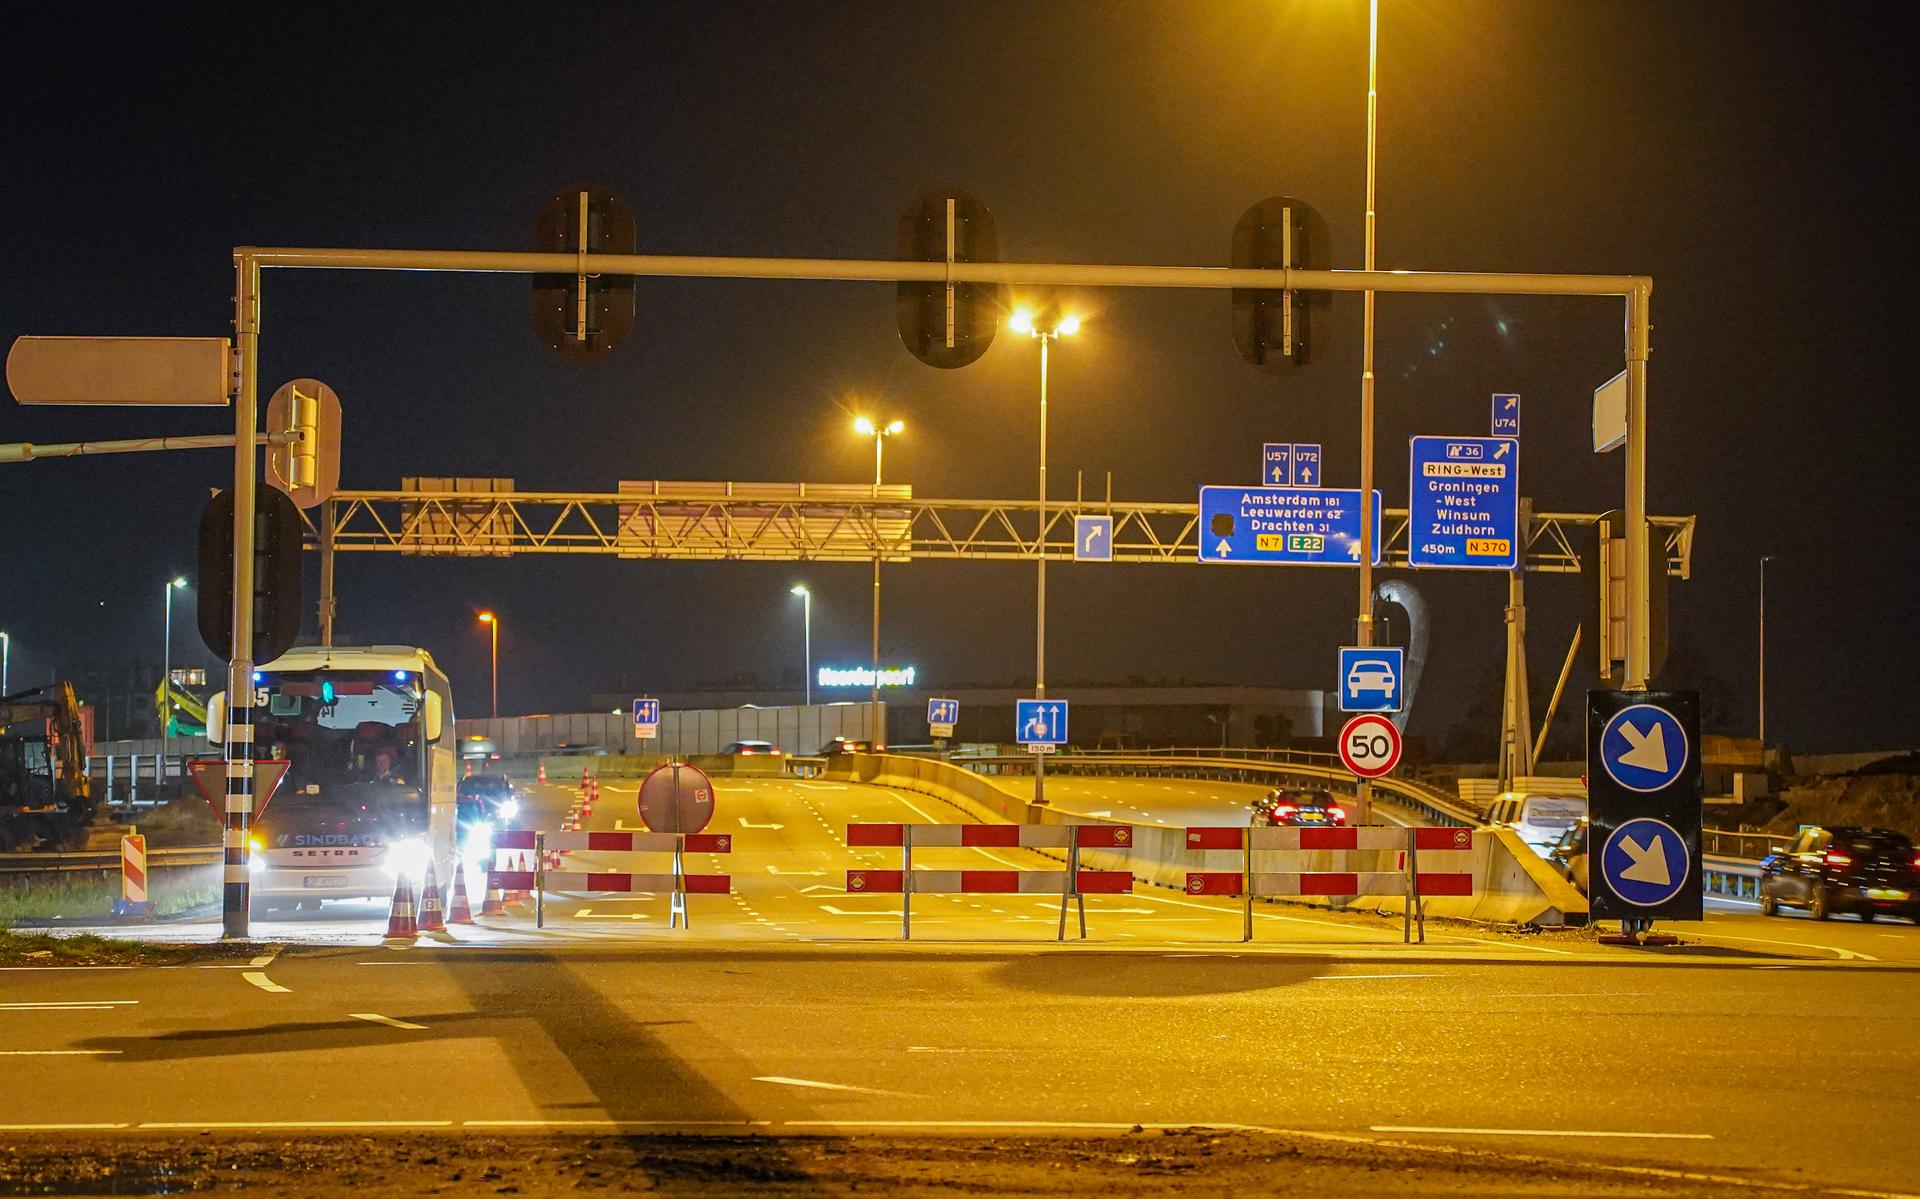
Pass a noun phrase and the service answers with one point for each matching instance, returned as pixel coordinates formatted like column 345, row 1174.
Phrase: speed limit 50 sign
column 1370, row 745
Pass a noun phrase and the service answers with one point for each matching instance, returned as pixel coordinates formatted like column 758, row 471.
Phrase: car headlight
column 478, row 849
column 407, row 857
column 509, row 808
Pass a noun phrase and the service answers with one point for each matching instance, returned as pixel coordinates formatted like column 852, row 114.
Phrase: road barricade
column 1407, row 879
column 1071, row 884
column 678, row 884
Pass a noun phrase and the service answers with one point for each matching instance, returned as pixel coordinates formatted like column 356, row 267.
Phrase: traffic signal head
column 583, row 316
column 948, row 324
column 1273, row 327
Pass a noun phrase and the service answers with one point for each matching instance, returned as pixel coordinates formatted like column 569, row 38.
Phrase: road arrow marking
column 1649, row 750
column 1649, row 863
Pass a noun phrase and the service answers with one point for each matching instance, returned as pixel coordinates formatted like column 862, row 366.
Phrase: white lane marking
column 615, row 1123
column 245, row 1124
column 264, row 983
column 69, row 1005
column 265, row 959
column 1543, row 1132
column 813, row 1084
column 55, row 1127
column 823, row 786
column 377, row 1018
column 42, row 969
column 1844, row 954
column 60, row 1052
column 745, row 823
column 815, row 888
column 1340, row 978
column 393, row 963
column 797, row 873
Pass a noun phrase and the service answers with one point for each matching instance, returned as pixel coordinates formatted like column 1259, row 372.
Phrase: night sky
column 1742, row 154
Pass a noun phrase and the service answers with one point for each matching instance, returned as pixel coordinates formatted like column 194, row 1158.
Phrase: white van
column 1538, row 819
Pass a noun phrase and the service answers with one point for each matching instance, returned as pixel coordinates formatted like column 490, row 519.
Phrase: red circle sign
column 1370, row 745
column 676, row 799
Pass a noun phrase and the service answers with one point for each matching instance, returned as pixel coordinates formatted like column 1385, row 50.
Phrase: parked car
column 1539, row 820
column 1569, row 855
column 845, row 745
column 1308, row 809
column 748, row 748
column 1867, row 871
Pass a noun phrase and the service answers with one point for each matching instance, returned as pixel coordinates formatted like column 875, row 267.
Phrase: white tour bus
column 370, row 789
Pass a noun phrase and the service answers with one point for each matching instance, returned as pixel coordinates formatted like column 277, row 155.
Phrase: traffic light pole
column 235, row 876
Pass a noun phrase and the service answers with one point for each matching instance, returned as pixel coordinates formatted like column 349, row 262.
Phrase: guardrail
column 1737, row 878
column 1417, row 798
column 1228, row 753
column 1752, row 846
column 806, row 768
column 104, row 860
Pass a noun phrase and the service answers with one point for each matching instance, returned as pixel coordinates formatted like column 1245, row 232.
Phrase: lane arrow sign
column 1649, row 750
column 1649, row 862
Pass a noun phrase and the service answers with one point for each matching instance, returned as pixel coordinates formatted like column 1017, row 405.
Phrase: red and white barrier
column 548, row 848
column 1072, row 883
column 1408, row 879
column 133, row 903
column 618, row 883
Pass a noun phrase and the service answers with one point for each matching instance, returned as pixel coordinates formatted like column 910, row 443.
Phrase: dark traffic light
column 948, row 324
column 583, row 316
column 1273, row 327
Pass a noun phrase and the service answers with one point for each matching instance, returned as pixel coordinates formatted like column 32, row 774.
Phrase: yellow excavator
column 46, row 796
column 179, row 711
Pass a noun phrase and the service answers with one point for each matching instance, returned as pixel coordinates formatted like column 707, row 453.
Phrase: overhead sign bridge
column 829, row 522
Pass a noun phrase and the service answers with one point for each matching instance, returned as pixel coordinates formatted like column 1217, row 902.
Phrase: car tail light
column 1916, row 861
column 1836, row 858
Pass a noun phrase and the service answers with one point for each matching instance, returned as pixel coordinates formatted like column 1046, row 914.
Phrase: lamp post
column 166, row 681
column 806, row 638
column 6, row 659
column 879, row 433
column 1764, row 559
column 1022, row 321
column 493, row 625
column 1363, row 632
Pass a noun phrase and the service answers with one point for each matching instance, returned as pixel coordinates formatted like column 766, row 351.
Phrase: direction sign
column 1506, row 416
column 1276, row 464
column 1643, row 804
column 1371, row 677
column 676, row 799
column 646, row 719
column 1306, row 464
column 1645, row 862
column 1299, row 526
column 1093, row 539
column 1463, row 503
column 942, row 715
column 1040, row 721
column 1370, row 746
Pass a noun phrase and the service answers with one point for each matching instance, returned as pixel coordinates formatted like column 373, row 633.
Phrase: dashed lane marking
column 69, row 1005
column 1543, row 1132
column 60, row 1052
column 260, row 980
column 377, row 1018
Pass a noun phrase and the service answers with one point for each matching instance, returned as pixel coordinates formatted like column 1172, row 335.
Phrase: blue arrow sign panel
column 646, row 711
column 1464, row 503
column 1644, row 748
column 1279, row 526
column 1370, row 677
column 943, row 711
column 1276, row 464
column 1306, row 464
column 1645, row 862
column 1506, row 416
column 1093, row 539
column 1040, row 721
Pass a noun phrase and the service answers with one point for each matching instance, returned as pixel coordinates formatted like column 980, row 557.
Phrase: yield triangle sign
column 210, row 775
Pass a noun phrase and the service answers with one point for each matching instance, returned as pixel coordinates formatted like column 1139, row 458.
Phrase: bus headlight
column 479, row 847
column 256, row 859
column 407, row 857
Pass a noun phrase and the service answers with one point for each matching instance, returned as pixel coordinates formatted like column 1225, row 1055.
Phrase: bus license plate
column 325, row 880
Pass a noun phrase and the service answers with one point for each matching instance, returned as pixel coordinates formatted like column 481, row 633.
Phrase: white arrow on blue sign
column 1277, row 526
column 1463, row 503
column 1093, row 539
column 646, row 711
column 1644, row 748
column 1276, row 464
column 1306, row 464
column 1040, row 721
column 943, row 711
column 1506, row 416
column 1645, row 862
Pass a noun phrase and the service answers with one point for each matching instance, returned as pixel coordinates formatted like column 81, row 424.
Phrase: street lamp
column 879, row 433
column 166, row 678
column 1024, row 321
column 1363, row 633
column 806, row 638
column 6, row 659
column 493, row 624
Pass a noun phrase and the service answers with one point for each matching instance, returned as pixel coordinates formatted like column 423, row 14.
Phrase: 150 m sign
column 1370, row 745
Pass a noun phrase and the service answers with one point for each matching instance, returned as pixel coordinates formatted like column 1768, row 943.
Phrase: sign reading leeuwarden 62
column 1643, row 805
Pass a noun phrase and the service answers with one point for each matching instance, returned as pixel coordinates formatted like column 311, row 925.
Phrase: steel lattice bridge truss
column 829, row 522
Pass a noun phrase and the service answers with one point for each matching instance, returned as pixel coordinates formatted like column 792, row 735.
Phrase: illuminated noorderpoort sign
column 861, row 676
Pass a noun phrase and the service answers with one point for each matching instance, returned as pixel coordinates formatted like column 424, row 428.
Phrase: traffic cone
column 522, row 865
column 461, row 911
column 400, row 921
column 469, row 773
column 495, row 902
column 543, row 772
column 433, row 916
column 586, row 780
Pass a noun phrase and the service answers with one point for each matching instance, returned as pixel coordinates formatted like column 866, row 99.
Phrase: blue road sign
column 1276, row 464
column 1306, row 464
column 1463, row 506
column 1645, row 862
column 1300, row 526
column 646, row 711
column 1040, row 721
column 1506, row 416
column 1644, row 748
column 943, row 711
column 1093, row 539
column 1370, row 677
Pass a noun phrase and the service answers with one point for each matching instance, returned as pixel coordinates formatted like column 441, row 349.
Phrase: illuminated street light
column 806, row 637
column 879, row 433
column 493, row 623
column 6, row 659
column 1022, row 321
column 166, row 678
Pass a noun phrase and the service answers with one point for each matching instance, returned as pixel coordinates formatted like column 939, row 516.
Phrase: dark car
column 1867, row 871
column 1569, row 855
column 845, row 745
column 498, row 799
column 747, row 748
column 1308, row 809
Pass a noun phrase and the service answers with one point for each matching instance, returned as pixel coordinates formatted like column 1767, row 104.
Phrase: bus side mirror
column 435, row 716
column 217, row 718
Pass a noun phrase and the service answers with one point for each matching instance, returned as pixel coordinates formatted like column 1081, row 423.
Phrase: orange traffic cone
column 433, row 917
column 586, row 780
column 400, row 921
column 543, row 772
column 461, row 911
column 469, row 773
column 495, row 902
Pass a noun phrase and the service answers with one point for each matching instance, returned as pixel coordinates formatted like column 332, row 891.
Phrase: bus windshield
column 352, row 741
